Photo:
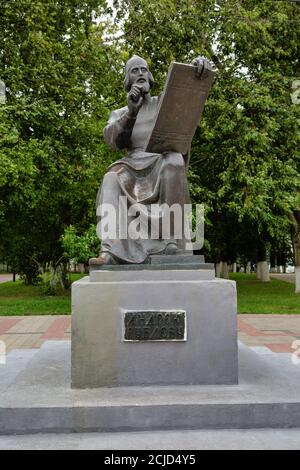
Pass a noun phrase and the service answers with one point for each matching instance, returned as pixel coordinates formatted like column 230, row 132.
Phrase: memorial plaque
column 156, row 325
column 180, row 108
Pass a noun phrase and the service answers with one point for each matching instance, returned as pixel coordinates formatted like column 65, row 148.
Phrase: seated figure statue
column 141, row 177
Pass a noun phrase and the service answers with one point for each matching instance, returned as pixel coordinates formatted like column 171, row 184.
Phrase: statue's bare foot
column 171, row 249
column 103, row 258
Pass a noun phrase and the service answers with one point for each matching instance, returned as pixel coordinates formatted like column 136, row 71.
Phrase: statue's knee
column 174, row 160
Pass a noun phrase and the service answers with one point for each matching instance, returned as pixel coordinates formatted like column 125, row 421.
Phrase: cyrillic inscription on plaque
column 166, row 325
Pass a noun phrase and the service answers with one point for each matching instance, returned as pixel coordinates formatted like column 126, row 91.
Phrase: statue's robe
column 144, row 178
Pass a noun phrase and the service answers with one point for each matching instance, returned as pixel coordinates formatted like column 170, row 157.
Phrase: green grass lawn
column 18, row 299
column 265, row 297
column 253, row 297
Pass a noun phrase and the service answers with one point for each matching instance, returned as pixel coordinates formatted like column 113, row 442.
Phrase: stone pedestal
column 205, row 354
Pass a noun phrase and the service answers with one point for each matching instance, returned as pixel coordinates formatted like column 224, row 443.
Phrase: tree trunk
column 248, row 268
column 262, row 263
column 59, row 276
column 224, row 270
column 264, row 271
column 297, row 279
column 218, row 269
column 297, row 262
column 258, row 270
column 64, row 275
column 52, row 276
column 296, row 245
column 273, row 262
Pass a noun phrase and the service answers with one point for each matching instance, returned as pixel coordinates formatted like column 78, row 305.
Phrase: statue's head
column 136, row 71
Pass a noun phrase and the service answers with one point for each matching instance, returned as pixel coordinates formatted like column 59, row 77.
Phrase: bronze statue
column 141, row 177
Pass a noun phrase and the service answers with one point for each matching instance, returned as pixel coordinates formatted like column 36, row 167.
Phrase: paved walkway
column 276, row 332
column 25, row 332
column 6, row 277
column 284, row 277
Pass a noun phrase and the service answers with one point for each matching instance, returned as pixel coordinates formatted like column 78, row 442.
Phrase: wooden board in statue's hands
column 179, row 111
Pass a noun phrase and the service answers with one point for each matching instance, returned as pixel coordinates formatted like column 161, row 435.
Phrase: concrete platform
column 38, row 398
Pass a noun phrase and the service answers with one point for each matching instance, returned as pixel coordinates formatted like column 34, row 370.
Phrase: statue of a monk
column 141, row 177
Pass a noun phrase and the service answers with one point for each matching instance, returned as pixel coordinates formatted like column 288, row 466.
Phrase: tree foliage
column 55, row 66
column 245, row 155
column 80, row 248
column 63, row 72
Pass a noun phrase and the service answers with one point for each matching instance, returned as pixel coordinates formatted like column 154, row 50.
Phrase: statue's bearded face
column 138, row 74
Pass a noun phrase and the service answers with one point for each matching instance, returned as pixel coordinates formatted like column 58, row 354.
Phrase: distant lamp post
column 2, row 92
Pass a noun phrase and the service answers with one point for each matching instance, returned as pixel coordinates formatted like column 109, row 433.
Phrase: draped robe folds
column 145, row 178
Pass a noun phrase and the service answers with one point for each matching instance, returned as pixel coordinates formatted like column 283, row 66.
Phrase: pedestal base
column 101, row 357
column 35, row 397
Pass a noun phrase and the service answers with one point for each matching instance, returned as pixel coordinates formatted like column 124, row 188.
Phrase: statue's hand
column 203, row 67
column 134, row 100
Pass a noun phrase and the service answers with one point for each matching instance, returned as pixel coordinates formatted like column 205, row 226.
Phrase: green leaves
column 51, row 146
column 80, row 248
column 245, row 154
column 64, row 73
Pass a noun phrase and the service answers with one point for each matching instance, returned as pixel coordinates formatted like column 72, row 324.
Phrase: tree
column 59, row 84
column 295, row 216
column 245, row 155
column 80, row 248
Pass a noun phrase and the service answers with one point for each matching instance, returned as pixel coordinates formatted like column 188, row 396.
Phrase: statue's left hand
column 204, row 66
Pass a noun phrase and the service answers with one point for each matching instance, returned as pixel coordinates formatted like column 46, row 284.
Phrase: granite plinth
column 180, row 258
column 102, row 358
column 179, row 261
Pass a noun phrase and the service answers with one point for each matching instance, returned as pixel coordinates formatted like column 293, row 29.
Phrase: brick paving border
column 276, row 332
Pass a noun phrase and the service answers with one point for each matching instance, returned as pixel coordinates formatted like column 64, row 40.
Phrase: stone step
column 290, row 360
column 177, row 259
column 222, row 439
column 16, row 361
column 171, row 265
column 40, row 400
column 262, row 350
column 18, row 354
